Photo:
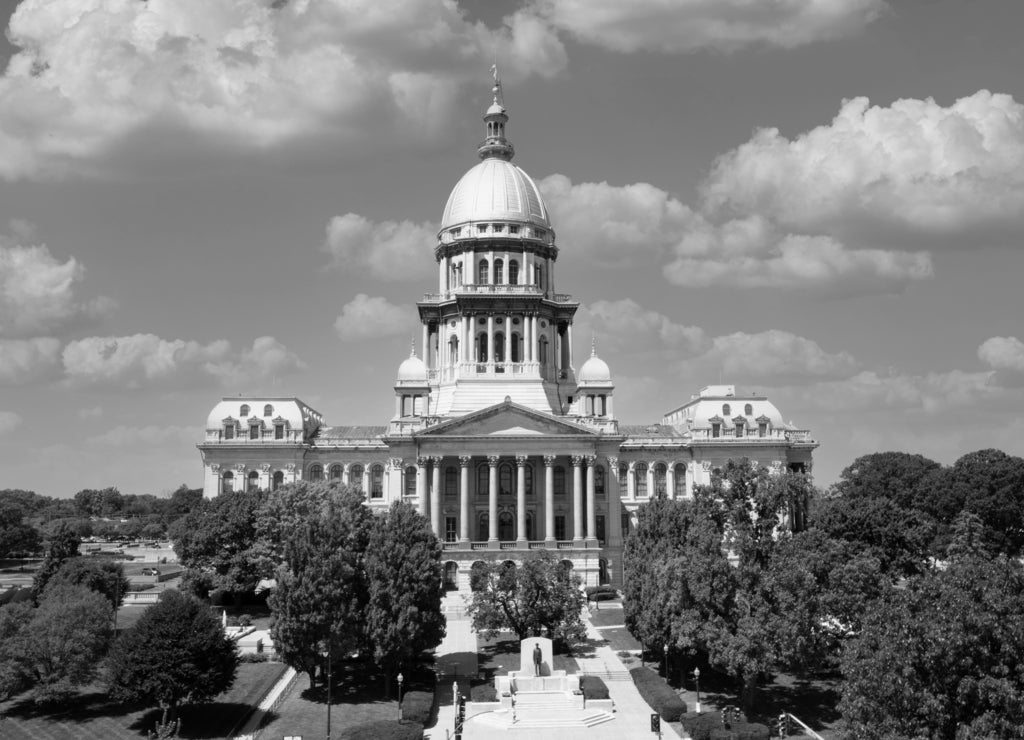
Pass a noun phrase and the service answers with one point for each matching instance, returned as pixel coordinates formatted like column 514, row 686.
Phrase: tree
column 219, row 540
column 60, row 646
column 404, row 578
column 177, row 653
column 184, row 500
column 893, row 476
column 101, row 503
column 105, row 577
column 321, row 595
column 17, row 537
column 62, row 546
column 541, row 595
column 942, row 658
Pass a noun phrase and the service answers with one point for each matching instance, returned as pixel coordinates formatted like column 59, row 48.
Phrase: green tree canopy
column 539, row 595
column 177, row 653
column 403, row 567
column 105, row 577
column 17, row 536
column 57, row 646
column 62, row 546
column 942, row 658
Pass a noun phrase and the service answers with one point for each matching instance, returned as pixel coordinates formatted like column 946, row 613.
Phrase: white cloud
column 615, row 225
column 145, row 359
column 388, row 250
column 625, row 325
column 37, row 293
column 1005, row 355
column 892, row 393
column 147, row 436
column 689, row 25
column 9, row 421
column 27, row 360
column 91, row 77
column 90, row 413
column 771, row 357
column 368, row 318
column 913, row 168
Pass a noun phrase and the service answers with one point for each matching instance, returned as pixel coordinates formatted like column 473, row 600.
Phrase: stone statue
column 538, row 657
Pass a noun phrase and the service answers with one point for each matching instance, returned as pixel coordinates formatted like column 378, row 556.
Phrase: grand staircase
column 537, row 710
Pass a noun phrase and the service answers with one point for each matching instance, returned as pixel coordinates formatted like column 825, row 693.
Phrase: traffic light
column 783, row 725
column 655, row 723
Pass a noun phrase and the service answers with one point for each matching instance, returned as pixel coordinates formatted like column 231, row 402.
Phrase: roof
column 495, row 190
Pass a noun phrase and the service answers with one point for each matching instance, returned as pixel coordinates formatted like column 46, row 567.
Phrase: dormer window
column 244, row 411
column 254, row 431
column 481, row 227
column 498, row 228
column 229, row 431
column 279, row 431
column 762, row 429
column 739, row 430
column 268, row 410
column 716, row 430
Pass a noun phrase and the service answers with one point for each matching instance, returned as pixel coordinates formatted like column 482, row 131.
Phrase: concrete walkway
column 632, row 713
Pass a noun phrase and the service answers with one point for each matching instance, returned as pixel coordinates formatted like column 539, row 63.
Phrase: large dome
column 495, row 190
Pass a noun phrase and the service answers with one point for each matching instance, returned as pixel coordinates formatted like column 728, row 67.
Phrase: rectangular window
column 229, row 432
column 716, row 430
column 762, row 430
column 279, row 431
column 739, row 430
column 451, row 532
column 451, row 482
column 254, row 432
column 600, row 529
column 513, row 229
column 559, row 526
column 559, row 481
column 377, row 481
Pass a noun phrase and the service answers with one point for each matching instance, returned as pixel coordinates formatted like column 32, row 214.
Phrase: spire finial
column 593, row 345
column 496, row 90
column 495, row 144
column 412, row 347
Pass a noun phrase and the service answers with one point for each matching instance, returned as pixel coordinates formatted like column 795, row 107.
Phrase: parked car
column 150, row 571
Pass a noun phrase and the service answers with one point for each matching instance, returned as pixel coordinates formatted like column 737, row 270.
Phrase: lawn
column 92, row 716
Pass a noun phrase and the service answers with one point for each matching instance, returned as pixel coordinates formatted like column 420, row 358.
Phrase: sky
column 818, row 200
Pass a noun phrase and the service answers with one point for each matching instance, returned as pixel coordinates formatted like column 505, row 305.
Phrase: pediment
column 506, row 420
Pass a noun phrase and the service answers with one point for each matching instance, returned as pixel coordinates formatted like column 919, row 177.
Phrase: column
column 670, row 480
column 240, row 480
column 464, row 345
column 435, row 498
column 614, row 519
column 650, row 480
column 421, row 484
column 492, row 503
column 577, row 498
column 426, row 345
column 527, row 355
column 508, row 339
column 521, row 500
column 490, row 339
column 568, row 334
column 464, row 462
column 344, row 474
column 549, row 500
column 591, row 496
column 631, row 481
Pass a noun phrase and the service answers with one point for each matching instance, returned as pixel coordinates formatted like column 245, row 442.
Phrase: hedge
column 383, row 729
column 418, row 706
column 700, row 726
column 659, row 695
column 593, row 687
column 601, row 593
column 483, row 692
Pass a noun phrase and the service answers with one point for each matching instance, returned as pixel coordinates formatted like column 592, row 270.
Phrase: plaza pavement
column 632, row 713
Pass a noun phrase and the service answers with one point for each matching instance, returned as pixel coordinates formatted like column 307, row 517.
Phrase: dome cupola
column 595, row 370
column 412, row 369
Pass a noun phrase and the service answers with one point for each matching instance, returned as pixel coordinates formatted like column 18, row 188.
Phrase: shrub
column 383, row 729
column 254, row 657
column 15, row 595
column 593, row 687
column 245, row 620
column 742, row 731
column 659, row 695
column 418, row 706
column 601, row 593
column 700, row 726
column 483, row 692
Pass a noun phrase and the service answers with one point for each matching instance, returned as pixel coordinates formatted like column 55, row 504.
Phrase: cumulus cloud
column 368, row 318
column 387, row 250
column 91, row 76
column 1005, row 355
column 892, row 392
column 615, row 225
column 914, row 167
column 689, row 25
column 28, row 360
column 37, row 293
column 771, row 357
column 145, row 359
column 625, row 325
column 147, row 436
column 9, row 421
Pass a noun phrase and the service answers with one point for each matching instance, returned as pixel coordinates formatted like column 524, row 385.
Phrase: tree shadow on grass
column 814, row 701
column 80, row 708
column 202, row 721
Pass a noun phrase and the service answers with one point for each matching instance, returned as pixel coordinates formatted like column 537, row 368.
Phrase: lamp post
column 327, row 654
column 400, row 679
column 664, row 660
column 696, row 680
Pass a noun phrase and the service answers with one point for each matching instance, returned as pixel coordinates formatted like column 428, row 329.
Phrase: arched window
column 623, row 477
column 451, row 576
column 679, row 484
column 451, row 481
column 481, row 347
column 516, row 343
column 453, row 350
column 599, row 485
column 244, row 410
column 410, row 481
column 530, row 534
column 355, row 476
column 506, row 479
column 499, row 272
column 278, row 480
column 227, row 482
column 482, row 480
column 538, row 276
column 316, row 472
column 660, row 479
column 482, row 273
column 726, row 410
column 640, row 474
column 513, row 272
column 559, row 481
column 268, row 410
column 506, row 526
column 483, row 527
column 499, row 346
column 542, row 351
column 377, row 481
column 336, row 472
column 252, row 481
column 748, row 410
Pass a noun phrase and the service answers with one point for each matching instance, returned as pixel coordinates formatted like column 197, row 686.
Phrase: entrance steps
column 541, row 718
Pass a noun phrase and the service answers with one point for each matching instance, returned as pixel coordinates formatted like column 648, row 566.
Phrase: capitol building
column 499, row 436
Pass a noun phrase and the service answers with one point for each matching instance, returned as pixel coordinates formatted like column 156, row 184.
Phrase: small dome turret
column 594, row 370
column 412, row 369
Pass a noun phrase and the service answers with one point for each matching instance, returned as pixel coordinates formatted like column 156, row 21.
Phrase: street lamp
column 400, row 679
column 696, row 680
column 664, row 660
column 326, row 652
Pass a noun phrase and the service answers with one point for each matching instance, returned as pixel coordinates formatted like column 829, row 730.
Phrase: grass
column 92, row 716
